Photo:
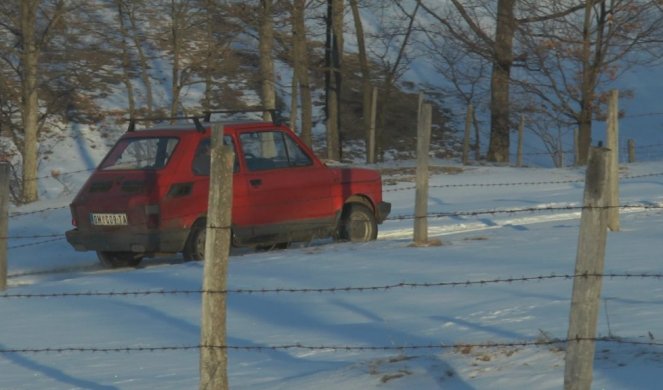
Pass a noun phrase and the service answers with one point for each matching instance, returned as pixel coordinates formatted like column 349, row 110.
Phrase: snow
column 348, row 334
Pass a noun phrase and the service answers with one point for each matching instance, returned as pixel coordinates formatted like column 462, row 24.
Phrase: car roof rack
column 277, row 119
column 196, row 121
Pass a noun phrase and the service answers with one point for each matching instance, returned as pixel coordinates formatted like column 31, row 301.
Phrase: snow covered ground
column 348, row 335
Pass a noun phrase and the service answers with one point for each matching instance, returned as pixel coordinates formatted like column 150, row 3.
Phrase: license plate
column 108, row 219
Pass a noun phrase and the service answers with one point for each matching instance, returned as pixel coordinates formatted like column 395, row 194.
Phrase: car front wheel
column 357, row 224
column 119, row 259
column 195, row 246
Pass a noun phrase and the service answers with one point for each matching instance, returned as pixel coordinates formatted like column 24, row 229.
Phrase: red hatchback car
column 149, row 194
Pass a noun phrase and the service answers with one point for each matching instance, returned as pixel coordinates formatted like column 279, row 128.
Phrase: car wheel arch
column 361, row 199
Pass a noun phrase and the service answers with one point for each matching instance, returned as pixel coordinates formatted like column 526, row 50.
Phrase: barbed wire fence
column 360, row 289
column 560, row 343
column 53, row 237
column 336, row 290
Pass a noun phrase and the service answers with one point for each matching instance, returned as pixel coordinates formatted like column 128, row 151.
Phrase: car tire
column 271, row 247
column 194, row 249
column 119, row 259
column 357, row 224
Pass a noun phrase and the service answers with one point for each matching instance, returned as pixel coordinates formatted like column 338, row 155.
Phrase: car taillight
column 74, row 221
column 153, row 213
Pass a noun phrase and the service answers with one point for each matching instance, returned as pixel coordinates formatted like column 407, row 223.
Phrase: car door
column 285, row 185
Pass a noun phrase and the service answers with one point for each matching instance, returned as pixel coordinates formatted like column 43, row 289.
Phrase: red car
column 149, row 194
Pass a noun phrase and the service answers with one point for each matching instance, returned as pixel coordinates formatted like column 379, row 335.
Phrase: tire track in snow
column 386, row 233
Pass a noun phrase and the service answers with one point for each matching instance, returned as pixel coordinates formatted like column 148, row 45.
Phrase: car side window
column 296, row 156
column 265, row 150
column 201, row 159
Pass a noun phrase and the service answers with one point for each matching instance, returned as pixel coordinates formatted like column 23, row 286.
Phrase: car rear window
column 140, row 153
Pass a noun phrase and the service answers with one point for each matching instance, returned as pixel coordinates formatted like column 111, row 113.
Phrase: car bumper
column 136, row 241
column 382, row 211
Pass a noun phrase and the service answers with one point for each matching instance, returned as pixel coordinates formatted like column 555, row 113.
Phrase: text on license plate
column 108, row 219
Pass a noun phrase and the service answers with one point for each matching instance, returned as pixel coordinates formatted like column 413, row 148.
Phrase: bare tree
column 178, row 31
column 266, row 45
column 367, row 87
column 467, row 75
column 579, row 56
column 397, row 35
column 127, row 66
column 333, row 79
column 474, row 35
column 301, row 67
column 138, row 33
column 29, row 97
column 27, row 29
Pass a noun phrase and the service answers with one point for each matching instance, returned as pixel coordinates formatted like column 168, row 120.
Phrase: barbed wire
column 333, row 290
column 336, row 347
column 523, row 210
column 459, row 185
column 641, row 115
column 35, row 243
column 60, row 236
column 19, row 237
column 21, row 214
column 522, row 183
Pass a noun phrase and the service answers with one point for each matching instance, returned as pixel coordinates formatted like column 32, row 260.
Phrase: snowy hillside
column 483, row 311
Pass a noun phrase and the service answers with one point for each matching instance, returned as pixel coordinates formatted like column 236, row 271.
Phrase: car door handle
column 255, row 182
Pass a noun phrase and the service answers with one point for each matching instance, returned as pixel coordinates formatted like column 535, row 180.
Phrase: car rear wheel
column 357, row 224
column 119, row 259
column 195, row 244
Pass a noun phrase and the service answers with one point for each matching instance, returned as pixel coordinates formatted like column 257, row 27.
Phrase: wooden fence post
column 521, row 131
column 4, row 222
column 587, row 283
column 631, row 150
column 576, row 150
column 421, row 197
column 612, row 143
column 213, row 353
column 468, row 128
column 371, row 129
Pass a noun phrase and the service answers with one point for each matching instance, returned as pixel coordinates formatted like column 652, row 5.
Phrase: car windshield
column 140, row 153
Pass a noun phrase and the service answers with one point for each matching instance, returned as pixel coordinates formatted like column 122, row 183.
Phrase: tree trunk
column 126, row 60
column 209, row 50
column 144, row 63
column 266, row 32
column 301, row 69
column 585, row 116
column 498, row 150
column 367, row 89
column 590, row 73
column 334, row 50
column 176, row 43
column 30, row 100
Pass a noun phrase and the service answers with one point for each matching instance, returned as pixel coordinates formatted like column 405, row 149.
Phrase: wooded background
column 65, row 62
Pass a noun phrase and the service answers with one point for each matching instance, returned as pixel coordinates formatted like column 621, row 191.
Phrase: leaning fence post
column 576, row 149
column 589, row 267
column 612, row 142
column 4, row 222
column 631, row 150
column 213, row 353
column 519, row 150
column 421, row 195
column 371, row 129
column 468, row 127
